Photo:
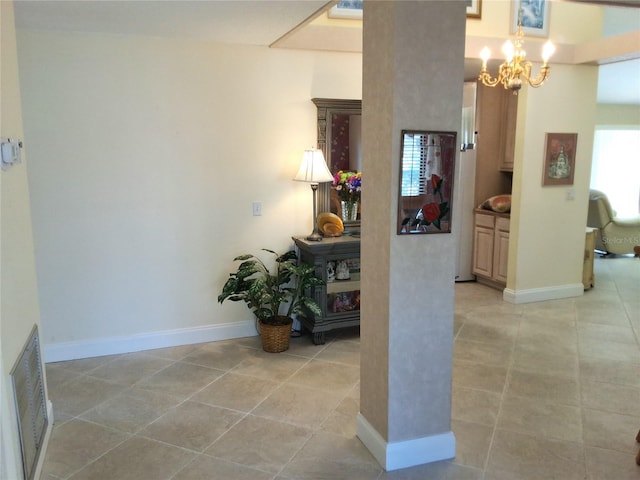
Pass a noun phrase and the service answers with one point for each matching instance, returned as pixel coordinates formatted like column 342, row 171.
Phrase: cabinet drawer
column 485, row 220
column 502, row 224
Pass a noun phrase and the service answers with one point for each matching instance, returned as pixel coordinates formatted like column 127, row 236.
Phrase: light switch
column 257, row 209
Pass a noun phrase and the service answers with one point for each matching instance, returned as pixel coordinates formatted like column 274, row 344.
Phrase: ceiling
column 279, row 23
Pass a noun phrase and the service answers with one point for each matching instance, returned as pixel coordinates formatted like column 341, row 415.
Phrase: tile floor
column 549, row 390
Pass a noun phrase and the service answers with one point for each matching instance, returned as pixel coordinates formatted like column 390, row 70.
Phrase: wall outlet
column 571, row 194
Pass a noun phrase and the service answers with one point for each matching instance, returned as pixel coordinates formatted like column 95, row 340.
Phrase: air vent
column 28, row 390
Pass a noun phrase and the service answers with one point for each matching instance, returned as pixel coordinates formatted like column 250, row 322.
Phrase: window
column 615, row 168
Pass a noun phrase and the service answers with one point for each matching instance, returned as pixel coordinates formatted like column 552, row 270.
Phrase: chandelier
column 515, row 68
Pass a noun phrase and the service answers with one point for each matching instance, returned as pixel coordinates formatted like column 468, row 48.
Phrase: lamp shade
column 313, row 168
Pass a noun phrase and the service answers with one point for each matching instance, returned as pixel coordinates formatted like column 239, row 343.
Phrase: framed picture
column 425, row 197
column 349, row 9
column 533, row 15
column 474, row 8
column 559, row 158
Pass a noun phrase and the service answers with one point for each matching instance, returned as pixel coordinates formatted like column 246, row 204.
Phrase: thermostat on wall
column 10, row 152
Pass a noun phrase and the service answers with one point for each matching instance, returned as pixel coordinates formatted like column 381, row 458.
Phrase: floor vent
column 28, row 390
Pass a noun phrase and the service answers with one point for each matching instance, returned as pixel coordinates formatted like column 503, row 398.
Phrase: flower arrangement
column 348, row 185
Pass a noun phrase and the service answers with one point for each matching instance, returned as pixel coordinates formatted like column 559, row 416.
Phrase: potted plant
column 273, row 293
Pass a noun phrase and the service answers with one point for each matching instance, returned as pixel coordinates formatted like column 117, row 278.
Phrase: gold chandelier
column 516, row 67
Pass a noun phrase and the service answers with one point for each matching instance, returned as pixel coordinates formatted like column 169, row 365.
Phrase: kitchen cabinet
column 337, row 262
column 491, row 248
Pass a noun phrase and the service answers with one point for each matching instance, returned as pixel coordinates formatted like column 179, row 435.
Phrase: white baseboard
column 409, row 453
column 542, row 294
column 58, row 352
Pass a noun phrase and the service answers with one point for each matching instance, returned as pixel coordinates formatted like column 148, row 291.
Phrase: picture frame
column 559, row 159
column 347, row 9
column 425, row 193
column 474, row 9
column 534, row 15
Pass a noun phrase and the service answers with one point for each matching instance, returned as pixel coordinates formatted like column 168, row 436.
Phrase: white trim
column 543, row 294
column 98, row 347
column 45, row 441
column 409, row 453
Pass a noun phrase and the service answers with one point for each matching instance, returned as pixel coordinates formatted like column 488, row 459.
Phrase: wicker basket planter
column 275, row 338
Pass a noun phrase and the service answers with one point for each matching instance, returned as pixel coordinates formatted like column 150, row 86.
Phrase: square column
column 413, row 75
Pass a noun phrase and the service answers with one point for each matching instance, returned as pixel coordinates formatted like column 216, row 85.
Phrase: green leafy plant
column 273, row 292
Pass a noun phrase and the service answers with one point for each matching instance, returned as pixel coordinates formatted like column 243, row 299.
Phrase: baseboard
column 543, row 294
column 58, row 352
column 409, row 453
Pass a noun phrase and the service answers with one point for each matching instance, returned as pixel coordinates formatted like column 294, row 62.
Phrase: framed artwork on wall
column 347, row 9
column 425, row 197
column 559, row 158
column 533, row 15
column 474, row 8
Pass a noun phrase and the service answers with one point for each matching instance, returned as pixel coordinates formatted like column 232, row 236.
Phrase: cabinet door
column 501, row 256
column 482, row 250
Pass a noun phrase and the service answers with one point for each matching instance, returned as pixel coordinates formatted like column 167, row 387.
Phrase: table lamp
column 313, row 170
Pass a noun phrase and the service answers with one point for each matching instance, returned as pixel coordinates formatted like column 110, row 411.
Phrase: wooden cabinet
column 339, row 299
column 491, row 248
column 496, row 118
column 588, row 276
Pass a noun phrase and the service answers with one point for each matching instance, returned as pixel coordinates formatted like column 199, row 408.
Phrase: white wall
column 19, row 310
column 146, row 155
column 548, row 229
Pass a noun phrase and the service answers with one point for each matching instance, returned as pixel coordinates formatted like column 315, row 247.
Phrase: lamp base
column 315, row 237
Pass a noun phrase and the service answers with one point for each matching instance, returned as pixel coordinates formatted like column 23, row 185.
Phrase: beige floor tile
column 347, row 352
column 545, row 388
column 544, row 339
column 599, row 314
column 130, row 368
column 481, row 352
column 77, row 396
column 270, row 366
column 332, row 456
column 260, row 443
column 132, row 409
column 472, row 443
column 529, row 358
column 137, row 459
column 180, row 379
column 476, row 406
column 524, row 457
column 611, row 333
column 610, row 430
column 238, row 392
column 489, row 332
column 328, row 376
column 342, row 421
column 540, row 419
column 612, row 371
column 445, row 470
column 57, row 375
column 610, row 397
column 222, row 356
column 173, row 353
column 192, row 425
column 208, row 468
column 299, row 405
column 483, row 377
column 75, row 444
column 84, row 365
column 610, row 465
column 609, row 350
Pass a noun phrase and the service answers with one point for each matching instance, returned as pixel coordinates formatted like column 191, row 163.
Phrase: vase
column 349, row 210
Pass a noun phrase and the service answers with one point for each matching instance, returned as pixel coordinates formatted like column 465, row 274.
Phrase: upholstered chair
column 615, row 235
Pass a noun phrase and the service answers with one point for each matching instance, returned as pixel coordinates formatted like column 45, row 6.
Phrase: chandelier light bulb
column 508, row 50
column 485, row 54
column 548, row 50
